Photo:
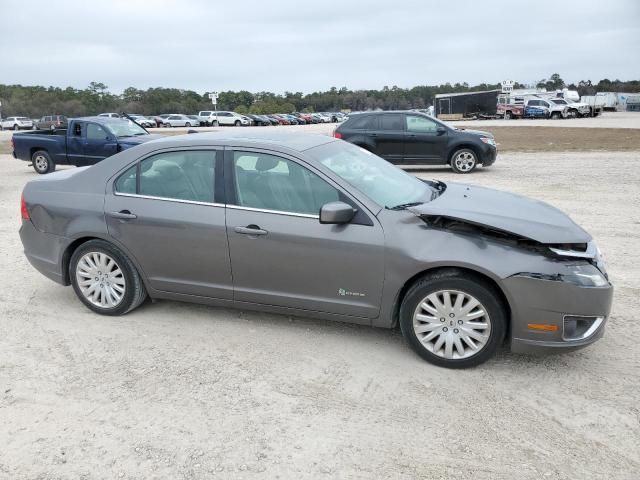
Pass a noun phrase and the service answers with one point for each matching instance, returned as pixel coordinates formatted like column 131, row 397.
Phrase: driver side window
column 95, row 132
column 268, row 182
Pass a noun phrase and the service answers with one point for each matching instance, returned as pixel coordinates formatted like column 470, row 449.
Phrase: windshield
column 126, row 128
column 382, row 182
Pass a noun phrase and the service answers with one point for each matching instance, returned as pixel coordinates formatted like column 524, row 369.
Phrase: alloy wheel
column 100, row 280
column 465, row 161
column 452, row 324
column 41, row 163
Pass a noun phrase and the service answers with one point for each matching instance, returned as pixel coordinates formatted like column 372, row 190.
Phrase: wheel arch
column 81, row 240
column 462, row 146
column 470, row 272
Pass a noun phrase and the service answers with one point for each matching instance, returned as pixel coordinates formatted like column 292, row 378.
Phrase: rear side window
column 365, row 122
column 188, row 175
column 391, row 122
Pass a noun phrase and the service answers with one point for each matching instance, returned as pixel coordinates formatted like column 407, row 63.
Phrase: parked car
column 16, row 123
column 207, row 118
column 195, row 119
column 232, row 118
column 540, row 108
column 281, row 120
column 51, row 122
column 260, row 120
column 110, row 115
column 574, row 109
column 178, row 120
column 143, row 121
column 413, row 138
column 87, row 141
column 159, row 119
column 274, row 120
column 459, row 267
column 322, row 118
column 510, row 107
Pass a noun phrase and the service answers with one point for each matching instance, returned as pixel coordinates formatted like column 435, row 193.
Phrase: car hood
column 504, row 211
column 131, row 141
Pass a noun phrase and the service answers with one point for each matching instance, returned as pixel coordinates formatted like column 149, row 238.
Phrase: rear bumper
column 535, row 301
column 44, row 251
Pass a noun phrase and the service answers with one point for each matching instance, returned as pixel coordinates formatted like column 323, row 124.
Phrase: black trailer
column 466, row 104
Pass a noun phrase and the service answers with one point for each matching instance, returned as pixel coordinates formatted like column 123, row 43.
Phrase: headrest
column 168, row 170
column 266, row 163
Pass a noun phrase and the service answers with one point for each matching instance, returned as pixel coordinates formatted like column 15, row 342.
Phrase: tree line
column 35, row 101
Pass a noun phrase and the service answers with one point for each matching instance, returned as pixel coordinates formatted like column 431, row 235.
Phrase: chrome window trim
column 277, row 212
column 165, row 199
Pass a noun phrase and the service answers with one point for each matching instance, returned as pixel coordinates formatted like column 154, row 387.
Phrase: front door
column 280, row 253
column 167, row 210
column 423, row 143
column 99, row 144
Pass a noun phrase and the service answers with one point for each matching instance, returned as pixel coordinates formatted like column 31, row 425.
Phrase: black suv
column 413, row 138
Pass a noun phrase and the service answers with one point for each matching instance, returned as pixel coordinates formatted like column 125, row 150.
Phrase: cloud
column 308, row 46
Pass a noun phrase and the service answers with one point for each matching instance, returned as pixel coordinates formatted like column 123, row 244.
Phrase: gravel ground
column 184, row 391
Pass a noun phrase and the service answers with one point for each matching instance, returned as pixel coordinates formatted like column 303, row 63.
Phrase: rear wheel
column 464, row 160
column 453, row 320
column 104, row 279
column 42, row 162
column 507, row 115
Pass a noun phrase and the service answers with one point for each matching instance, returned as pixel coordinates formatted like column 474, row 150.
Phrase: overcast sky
column 307, row 45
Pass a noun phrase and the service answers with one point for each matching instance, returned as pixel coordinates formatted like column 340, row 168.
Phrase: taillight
column 337, row 134
column 24, row 212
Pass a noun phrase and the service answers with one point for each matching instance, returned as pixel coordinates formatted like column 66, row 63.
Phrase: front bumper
column 489, row 155
column 545, row 302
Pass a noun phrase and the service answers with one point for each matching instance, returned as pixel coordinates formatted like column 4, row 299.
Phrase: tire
column 16, row 128
column 42, row 162
column 507, row 115
column 418, row 323
column 464, row 160
column 214, row 123
column 555, row 116
column 237, row 123
column 133, row 291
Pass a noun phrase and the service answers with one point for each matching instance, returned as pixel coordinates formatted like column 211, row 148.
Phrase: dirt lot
column 182, row 391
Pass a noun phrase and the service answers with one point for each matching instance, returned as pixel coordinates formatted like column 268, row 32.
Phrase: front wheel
column 42, row 162
column 507, row 116
column 187, row 124
column 237, row 123
column 16, row 128
column 464, row 161
column 104, row 279
column 453, row 320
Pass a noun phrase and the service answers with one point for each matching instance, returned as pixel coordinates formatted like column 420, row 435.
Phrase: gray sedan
column 314, row 226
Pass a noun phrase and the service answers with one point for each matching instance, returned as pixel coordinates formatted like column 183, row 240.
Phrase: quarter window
column 187, row 175
column 269, row 182
column 365, row 122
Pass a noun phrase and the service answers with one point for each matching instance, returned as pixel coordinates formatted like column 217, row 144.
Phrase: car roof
column 102, row 120
column 293, row 141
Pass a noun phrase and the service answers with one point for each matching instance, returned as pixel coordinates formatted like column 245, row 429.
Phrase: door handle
column 250, row 230
column 412, row 135
column 123, row 214
column 373, row 134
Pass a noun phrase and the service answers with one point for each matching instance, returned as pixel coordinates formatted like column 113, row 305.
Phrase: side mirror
column 441, row 130
column 336, row 213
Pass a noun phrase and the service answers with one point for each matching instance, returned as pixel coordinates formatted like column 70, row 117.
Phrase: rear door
column 423, row 142
column 389, row 137
column 168, row 211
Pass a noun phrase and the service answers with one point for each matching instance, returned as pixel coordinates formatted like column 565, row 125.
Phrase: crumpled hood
column 505, row 211
column 127, row 142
